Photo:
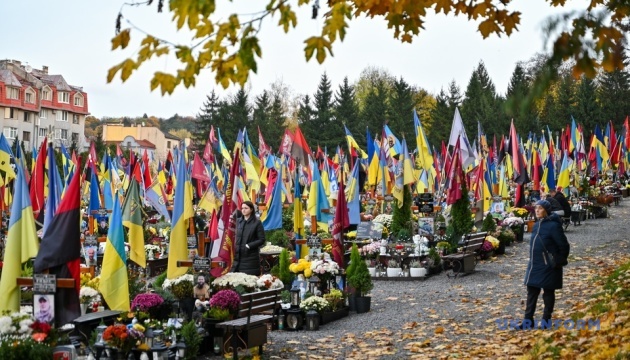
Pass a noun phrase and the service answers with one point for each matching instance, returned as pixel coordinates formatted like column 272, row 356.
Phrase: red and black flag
column 60, row 252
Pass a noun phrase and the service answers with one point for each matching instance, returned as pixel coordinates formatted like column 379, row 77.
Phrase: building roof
column 171, row 136
column 7, row 77
column 146, row 144
column 57, row 80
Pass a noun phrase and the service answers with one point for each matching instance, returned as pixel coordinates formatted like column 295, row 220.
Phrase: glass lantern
column 181, row 350
column 312, row 320
column 281, row 321
column 99, row 334
column 158, row 336
column 313, row 284
column 149, row 336
column 295, row 297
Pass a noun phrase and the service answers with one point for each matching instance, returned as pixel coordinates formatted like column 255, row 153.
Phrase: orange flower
column 39, row 337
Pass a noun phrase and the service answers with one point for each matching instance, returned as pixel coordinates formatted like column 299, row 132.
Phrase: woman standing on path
column 250, row 236
column 548, row 253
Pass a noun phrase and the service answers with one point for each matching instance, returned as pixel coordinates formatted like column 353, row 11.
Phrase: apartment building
column 122, row 135
column 35, row 105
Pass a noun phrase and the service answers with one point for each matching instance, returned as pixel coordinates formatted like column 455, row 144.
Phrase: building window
column 29, row 97
column 78, row 100
column 75, row 137
column 64, row 134
column 42, row 132
column 168, row 144
column 63, row 97
column 9, row 113
column 13, row 93
column 75, row 118
column 26, row 135
column 43, row 113
column 27, row 116
column 46, row 93
column 10, row 133
column 62, row 115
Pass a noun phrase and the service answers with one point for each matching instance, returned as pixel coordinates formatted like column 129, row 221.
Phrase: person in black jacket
column 560, row 198
column 549, row 250
column 250, row 237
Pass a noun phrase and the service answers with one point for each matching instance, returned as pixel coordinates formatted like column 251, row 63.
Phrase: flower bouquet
column 239, row 282
column 146, row 301
column 117, row 336
column 20, row 337
column 301, row 266
column 151, row 250
column 181, row 287
column 268, row 281
column 316, row 303
column 520, row 212
column 371, row 250
column 88, row 295
column 226, row 300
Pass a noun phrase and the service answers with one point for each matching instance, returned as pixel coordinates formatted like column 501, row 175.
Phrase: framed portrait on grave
column 425, row 225
column 498, row 207
column 44, row 308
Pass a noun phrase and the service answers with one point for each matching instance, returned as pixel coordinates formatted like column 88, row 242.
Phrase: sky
column 73, row 38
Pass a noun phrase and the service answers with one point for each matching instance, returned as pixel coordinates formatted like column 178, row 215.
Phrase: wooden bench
column 464, row 262
column 249, row 329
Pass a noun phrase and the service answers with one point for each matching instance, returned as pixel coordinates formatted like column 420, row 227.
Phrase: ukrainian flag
column 182, row 211
column 21, row 244
column 114, row 283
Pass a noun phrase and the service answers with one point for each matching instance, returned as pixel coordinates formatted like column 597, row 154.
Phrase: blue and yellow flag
column 21, row 244
column 182, row 211
column 114, row 283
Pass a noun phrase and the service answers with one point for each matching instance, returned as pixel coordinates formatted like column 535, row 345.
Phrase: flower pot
column 334, row 315
column 418, row 272
column 519, row 234
column 352, row 305
column 372, row 271
column 84, row 308
column 393, row 272
column 363, row 304
column 501, row 249
column 530, row 225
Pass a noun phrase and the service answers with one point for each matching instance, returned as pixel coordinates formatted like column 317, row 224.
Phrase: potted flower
column 314, row 303
column 416, row 269
column 434, row 261
column 87, row 296
column 325, row 270
column 393, row 268
column 151, row 251
column 182, row 288
column 240, row 282
column 516, row 224
column 269, row 282
column 122, row 339
column 336, row 306
column 488, row 247
column 150, row 304
column 362, row 283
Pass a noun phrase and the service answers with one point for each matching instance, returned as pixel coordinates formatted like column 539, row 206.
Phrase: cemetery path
column 457, row 318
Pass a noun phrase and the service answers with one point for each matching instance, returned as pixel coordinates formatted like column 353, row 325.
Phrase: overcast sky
column 72, row 38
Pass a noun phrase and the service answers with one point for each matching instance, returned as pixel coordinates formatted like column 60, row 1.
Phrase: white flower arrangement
column 88, row 295
column 271, row 248
column 15, row 326
column 232, row 280
column 169, row 283
column 321, row 267
column 148, row 249
column 513, row 221
column 316, row 303
column 268, row 282
column 384, row 219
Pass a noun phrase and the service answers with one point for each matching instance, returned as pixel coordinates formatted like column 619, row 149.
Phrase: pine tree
column 461, row 217
column 481, row 104
column 261, row 116
column 442, row 117
column 274, row 129
column 614, row 95
column 239, row 111
column 517, row 106
column 326, row 130
column 400, row 107
column 347, row 111
column 401, row 219
column 564, row 103
column 305, row 112
column 587, row 110
column 375, row 111
column 206, row 118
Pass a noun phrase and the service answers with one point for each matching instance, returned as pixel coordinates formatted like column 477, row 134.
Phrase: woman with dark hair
column 548, row 253
column 250, row 237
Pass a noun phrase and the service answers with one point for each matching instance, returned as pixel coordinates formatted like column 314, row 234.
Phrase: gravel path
column 438, row 311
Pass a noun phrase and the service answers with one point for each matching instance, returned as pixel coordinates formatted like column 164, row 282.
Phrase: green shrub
column 361, row 280
column 159, row 280
column 278, row 237
column 401, row 218
column 192, row 339
column 284, row 262
column 489, row 224
column 355, row 259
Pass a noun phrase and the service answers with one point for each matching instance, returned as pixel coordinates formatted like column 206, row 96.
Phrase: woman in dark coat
column 250, row 237
column 548, row 253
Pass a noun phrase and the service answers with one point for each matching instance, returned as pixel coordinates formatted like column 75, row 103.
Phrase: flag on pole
column 298, row 214
column 339, row 224
column 21, row 244
column 114, row 284
column 455, row 178
column 60, row 251
column 132, row 219
column 182, row 211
